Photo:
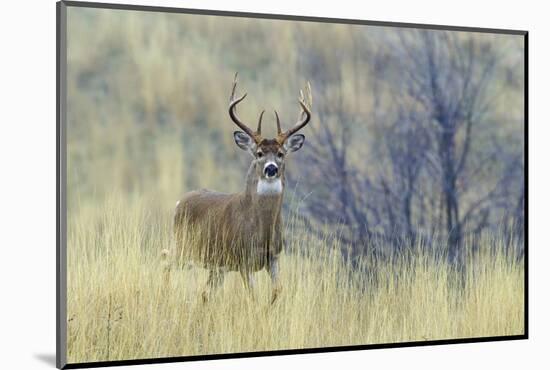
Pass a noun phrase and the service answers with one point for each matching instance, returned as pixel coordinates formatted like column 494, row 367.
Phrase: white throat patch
column 266, row 187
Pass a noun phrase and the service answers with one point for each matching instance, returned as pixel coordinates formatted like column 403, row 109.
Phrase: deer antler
column 305, row 116
column 259, row 130
column 256, row 135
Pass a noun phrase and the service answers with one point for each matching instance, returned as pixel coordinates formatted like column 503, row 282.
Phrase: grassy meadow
column 147, row 121
column 123, row 304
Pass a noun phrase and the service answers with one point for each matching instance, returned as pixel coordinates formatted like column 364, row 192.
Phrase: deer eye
column 259, row 154
column 280, row 155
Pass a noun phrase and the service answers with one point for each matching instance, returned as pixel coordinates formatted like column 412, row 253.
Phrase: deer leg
column 166, row 265
column 215, row 279
column 273, row 269
column 249, row 282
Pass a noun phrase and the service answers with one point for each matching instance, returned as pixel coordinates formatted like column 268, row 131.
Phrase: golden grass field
column 122, row 306
column 147, row 121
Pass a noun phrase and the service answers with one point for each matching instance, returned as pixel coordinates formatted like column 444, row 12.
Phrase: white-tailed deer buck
column 242, row 232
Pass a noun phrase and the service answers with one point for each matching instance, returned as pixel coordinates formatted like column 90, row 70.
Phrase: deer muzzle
column 271, row 170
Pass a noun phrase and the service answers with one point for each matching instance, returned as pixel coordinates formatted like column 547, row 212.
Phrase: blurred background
column 415, row 133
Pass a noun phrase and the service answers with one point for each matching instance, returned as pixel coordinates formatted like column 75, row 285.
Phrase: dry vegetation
column 121, row 305
column 147, row 121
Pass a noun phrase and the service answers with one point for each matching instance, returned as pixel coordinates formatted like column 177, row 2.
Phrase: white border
column 27, row 155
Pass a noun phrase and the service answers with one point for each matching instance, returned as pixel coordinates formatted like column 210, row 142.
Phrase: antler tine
column 309, row 95
column 279, row 131
column 304, row 119
column 309, row 100
column 234, row 87
column 232, row 110
column 259, row 130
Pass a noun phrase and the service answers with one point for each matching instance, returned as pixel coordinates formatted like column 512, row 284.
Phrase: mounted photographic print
column 234, row 184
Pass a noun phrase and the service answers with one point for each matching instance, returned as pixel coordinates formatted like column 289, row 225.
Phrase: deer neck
column 265, row 197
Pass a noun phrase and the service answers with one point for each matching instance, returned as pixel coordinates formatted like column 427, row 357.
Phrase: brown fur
column 241, row 232
column 237, row 232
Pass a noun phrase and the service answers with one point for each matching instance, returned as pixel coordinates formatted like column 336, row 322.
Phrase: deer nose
column 270, row 170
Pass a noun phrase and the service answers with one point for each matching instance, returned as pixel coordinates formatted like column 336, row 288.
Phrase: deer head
column 269, row 154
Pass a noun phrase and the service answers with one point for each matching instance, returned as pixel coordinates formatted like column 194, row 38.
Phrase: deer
column 242, row 232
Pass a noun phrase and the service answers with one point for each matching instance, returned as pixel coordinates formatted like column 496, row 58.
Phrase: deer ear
column 294, row 142
column 243, row 141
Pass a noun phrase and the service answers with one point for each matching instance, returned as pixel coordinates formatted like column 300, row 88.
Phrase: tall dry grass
column 121, row 306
